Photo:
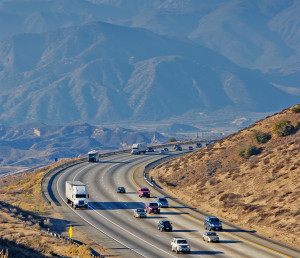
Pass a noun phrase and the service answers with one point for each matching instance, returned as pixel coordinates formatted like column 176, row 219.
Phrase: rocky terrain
column 258, row 189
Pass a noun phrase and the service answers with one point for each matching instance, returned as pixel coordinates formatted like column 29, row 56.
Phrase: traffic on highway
column 133, row 219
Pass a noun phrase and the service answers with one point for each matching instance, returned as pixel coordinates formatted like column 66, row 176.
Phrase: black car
column 121, row 189
column 164, row 225
column 150, row 149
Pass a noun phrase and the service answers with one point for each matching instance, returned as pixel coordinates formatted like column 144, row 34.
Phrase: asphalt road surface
column 110, row 222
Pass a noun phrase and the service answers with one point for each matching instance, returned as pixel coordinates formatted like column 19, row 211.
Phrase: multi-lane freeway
column 110, row 222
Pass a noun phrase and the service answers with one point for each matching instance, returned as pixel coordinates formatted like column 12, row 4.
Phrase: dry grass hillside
column 260, row 192
column 25, row 219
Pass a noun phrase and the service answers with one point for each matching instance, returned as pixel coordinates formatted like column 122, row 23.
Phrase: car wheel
column 177, row 251
column 203, row 239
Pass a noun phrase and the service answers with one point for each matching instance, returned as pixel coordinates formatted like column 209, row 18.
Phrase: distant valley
column 33, row 145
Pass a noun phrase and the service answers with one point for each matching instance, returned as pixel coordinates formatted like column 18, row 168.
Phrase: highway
column 110, row 222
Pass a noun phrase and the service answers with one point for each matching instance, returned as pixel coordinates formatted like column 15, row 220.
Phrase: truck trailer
column 76, row 194
column 139, row 148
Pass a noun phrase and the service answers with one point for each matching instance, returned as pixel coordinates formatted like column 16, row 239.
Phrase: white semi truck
column 93, row 156
column 139, row 148
column 76, row 194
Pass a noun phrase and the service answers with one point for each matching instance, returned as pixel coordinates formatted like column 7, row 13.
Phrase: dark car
column 150, row 149
column 198, row 145
column 121, row 189
column 164, row 225
column 178, row 148
column 152, row 207
column 213, row 223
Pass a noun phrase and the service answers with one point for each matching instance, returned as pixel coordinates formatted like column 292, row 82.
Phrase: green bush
column 249, row 150
column 261, row 137
column 296, row 110
column 172, row 140
column 283, row 128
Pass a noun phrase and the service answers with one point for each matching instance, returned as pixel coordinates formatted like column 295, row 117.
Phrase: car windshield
column 140, row 210
column 153, row 204
column 121, row 188
column 211, row 234
column 214, row 220
column 182, row 241
column 144, row 189
column 162, row 199
column 166, row 223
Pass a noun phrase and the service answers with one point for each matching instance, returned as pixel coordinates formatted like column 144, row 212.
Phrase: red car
column 144, row 192
column 190, row 148
column 152, row 207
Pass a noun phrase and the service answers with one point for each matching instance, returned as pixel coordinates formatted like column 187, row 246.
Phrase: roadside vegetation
column 250, row 178
column 25, row 219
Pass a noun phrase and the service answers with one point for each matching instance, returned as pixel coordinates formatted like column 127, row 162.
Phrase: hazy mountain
column 101, row 72
column 39, row 144
column 254, row 33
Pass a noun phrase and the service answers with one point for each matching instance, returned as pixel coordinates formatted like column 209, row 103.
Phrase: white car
column 180, row 245
column 211, row 237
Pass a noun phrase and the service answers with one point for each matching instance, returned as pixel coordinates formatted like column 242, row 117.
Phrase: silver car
column 162, row 202
column 139, row 213
column 211, row 237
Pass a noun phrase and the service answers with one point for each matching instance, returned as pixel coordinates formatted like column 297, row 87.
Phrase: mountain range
column 129, row 61
column 32, row 145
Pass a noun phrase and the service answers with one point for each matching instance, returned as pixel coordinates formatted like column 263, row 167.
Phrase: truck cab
column 76, row 194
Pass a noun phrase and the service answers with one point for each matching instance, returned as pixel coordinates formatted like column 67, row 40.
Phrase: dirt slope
column 260, row 193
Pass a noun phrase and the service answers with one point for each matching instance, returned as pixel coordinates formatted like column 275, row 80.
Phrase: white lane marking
column 132, row 249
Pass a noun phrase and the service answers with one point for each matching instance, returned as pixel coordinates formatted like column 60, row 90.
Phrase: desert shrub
column 296, row 109
column 297, row 126
column 248, row 151
column 261, row 137
column 172, row 140
column 283, row 128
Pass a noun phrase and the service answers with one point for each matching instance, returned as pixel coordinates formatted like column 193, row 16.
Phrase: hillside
column 25, row 219
column 259, row 193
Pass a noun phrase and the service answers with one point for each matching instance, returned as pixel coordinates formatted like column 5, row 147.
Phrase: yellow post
column 70, row 233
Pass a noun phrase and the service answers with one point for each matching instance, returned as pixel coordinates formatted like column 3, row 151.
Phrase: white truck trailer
column 76, row 194
column 93, row 156
column 139, row 148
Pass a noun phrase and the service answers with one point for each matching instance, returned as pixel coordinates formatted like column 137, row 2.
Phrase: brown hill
column 261, row 192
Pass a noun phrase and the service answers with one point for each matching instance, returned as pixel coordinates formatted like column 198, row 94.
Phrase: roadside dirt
column 261, row 193
column 25, row 219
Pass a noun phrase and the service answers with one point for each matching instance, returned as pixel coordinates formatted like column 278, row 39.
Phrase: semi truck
column 139, row 148
column 93, row 156
column 76, row 194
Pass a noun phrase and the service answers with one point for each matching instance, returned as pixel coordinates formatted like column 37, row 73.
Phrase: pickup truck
column 144, row 192
column 180, row 245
